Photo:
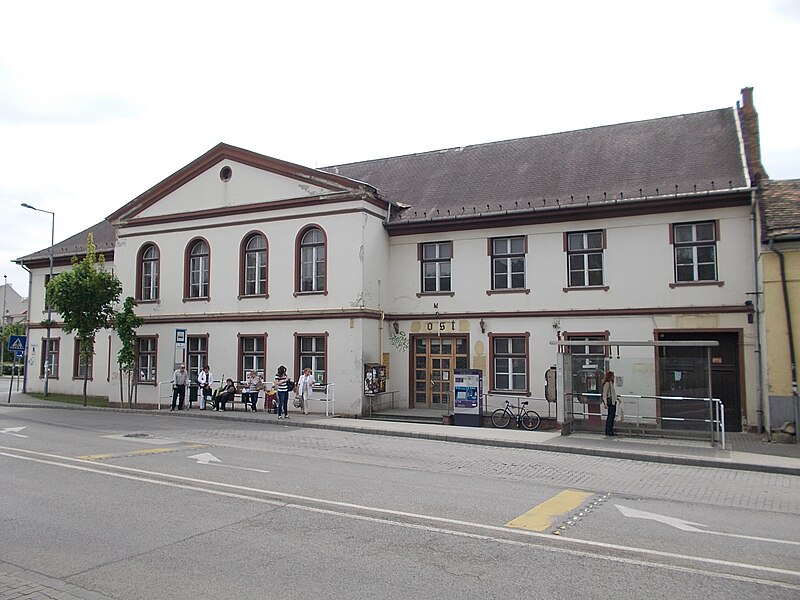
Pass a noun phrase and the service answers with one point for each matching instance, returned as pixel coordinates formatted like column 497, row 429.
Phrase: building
column 780, row 264
column 16, row 306
column 476, row 257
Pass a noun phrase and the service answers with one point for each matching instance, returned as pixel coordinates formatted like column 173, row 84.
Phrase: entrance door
column 683, row 373
column 435, row 358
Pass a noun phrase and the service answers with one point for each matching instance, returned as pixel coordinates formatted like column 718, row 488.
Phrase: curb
column 671, row 459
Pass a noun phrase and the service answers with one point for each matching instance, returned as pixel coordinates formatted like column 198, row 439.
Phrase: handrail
column 329, row 400
column 715, row 418
column 160, row 383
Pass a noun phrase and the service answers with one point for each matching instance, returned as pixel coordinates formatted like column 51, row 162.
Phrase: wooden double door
column 434, row 359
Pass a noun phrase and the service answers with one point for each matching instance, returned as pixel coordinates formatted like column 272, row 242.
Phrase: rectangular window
column 81, row 365
column 50, row 357
column 196, row 355
column 312, row 353
column 436, row 258
column 585, row 258
column 46, row 281
column 510, row 363
column 695, row 247
column 254, row 355
column 508, row 263
column 146, row 358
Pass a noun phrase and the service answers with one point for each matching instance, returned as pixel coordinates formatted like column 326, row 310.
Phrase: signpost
column 16, row 345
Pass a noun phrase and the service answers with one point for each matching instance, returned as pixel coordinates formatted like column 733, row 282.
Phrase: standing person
column 305, row 385
column 205, row 380
column 180, row 379
column 225, row 395
column 282, row 387
column 253, row 384
column 609, row 396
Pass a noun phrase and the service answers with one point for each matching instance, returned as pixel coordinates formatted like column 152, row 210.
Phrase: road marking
column 541, row 517
column 13, row 431
column 693, row 527
column 595, row 550
column 206, row 458
column 140, row 452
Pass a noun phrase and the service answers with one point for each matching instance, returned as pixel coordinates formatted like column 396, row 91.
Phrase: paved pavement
column 744, row 451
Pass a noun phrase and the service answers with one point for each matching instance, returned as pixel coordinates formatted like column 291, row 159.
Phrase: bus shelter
column 664, row 387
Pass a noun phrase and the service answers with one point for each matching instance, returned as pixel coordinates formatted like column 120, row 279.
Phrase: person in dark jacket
column 225, row 395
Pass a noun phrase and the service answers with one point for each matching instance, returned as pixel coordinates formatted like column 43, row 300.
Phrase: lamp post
column 49, row 310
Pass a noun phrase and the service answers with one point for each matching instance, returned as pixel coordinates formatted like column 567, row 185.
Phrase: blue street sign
column 20, row 354
column 16, row 343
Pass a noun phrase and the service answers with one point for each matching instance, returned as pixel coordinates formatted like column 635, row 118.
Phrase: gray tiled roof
column 780, row 208
column 103, row 234
column 653, row 156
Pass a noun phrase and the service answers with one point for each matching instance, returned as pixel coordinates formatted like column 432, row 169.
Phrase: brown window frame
column 76, row 357
column 187, row 272
column 492, row 372
column 140, row 263
column 243, row 267
column 299, row 247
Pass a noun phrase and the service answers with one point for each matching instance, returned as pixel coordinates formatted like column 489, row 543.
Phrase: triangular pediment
column 230, row 177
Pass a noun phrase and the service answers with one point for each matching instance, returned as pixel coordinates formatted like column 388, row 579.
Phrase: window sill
column 696, row 283
column 421, row 294
column 508, row 291
column 204, row 299
column 525, row 393
column 152, row 383
column 321, row 293
column 74, row 378
column 156, row 301
column 602, row 288
column 246, row 296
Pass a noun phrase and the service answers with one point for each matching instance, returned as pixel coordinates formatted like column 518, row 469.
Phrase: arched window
column 254, row 266
column 148, row 273
column 312, row 261
column 198, row 269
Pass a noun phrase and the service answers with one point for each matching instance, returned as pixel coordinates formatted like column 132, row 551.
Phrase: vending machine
column 467, row 395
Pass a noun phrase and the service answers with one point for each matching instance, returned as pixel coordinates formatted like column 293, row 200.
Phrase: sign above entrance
column 449, row 326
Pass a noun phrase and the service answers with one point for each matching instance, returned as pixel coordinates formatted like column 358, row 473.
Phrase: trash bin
column 192, row 394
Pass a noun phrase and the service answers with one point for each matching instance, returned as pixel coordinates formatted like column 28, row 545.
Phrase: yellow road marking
column 141, row 452
column 541, row 517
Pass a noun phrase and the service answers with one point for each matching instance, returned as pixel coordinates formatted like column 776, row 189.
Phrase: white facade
column 374, row 280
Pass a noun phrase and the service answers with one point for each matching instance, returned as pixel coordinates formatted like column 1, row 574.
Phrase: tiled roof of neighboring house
column 682, row 153
column 780, row 208
column 103, row 234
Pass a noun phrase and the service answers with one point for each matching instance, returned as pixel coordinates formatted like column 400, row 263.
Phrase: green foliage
column 125, row 324
column 84, row 297
column 7, row 331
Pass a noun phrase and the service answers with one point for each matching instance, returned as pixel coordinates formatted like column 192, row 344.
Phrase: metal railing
column 629, row 411
column 329, row 399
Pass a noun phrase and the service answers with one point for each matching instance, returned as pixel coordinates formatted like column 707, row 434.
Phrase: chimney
column 752, row 144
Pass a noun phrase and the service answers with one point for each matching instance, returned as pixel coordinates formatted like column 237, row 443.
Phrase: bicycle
column 529, row 419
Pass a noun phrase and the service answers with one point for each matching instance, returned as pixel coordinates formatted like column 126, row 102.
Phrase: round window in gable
column 225, row 173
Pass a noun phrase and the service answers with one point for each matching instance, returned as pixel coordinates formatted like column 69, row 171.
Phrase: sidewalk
column 745, row 451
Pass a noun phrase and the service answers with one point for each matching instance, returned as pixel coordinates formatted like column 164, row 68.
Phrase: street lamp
column 49, row 310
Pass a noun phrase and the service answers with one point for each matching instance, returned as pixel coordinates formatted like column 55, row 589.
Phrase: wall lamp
column 482, row 323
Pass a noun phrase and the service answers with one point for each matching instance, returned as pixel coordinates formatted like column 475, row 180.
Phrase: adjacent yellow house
column 780, row 259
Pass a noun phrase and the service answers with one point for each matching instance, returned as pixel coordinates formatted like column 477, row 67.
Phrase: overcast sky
column 99, row 101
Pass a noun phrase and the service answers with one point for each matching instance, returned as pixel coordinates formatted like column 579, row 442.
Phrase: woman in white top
column 610, row 400
column 305, row 385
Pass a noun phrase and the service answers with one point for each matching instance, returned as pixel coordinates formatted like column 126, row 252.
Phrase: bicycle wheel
column 530, row 420
column 501, row 418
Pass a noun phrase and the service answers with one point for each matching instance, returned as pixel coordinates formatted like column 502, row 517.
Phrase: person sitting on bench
column 225, row 395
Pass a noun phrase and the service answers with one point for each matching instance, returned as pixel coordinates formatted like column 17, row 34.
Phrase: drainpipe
column 790, row 333
column 757, row 312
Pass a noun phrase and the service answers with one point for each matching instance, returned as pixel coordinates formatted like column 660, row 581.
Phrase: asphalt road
column 127, row 506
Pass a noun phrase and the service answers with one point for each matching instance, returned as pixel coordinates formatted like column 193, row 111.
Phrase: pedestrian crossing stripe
column 541, row 517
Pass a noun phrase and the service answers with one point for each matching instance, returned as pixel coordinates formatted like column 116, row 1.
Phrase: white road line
column 141, row 475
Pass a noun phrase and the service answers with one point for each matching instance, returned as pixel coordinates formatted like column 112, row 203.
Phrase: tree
column 125, row 324
column 7, row 331
column 84, row 297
